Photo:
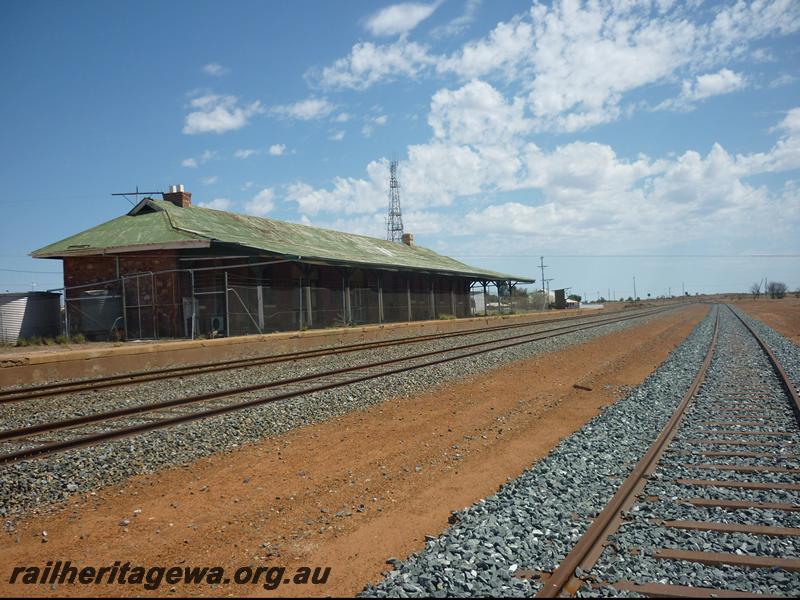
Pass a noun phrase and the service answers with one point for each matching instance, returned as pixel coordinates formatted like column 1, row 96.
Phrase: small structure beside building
column 29, row 314
column 561, row 298
column 168, row 269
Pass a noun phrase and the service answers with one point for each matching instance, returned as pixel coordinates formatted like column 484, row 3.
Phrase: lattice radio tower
column 394, row 222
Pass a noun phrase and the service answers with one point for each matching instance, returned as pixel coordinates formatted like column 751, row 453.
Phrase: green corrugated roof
column 157, row 222
column 144, row 229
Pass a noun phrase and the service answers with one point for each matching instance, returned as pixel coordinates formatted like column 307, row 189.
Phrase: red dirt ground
column 782, row 315
column 397, row 470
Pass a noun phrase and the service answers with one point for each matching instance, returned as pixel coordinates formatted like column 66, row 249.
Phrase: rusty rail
column 589, row 547
column 584, row 555
column 474, row 349
column 59, row 388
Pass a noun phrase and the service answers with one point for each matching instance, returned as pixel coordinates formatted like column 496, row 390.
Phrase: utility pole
column 542, row 266
column 545, row 299
column 634, row 288
column 683, row 289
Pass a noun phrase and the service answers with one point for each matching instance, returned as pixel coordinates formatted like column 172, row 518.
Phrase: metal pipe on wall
column 194, row 305
column 380, row 300
column 227, row 309
column 408, row 293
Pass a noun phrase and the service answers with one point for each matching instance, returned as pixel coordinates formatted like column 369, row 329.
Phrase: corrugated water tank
column 28, row 314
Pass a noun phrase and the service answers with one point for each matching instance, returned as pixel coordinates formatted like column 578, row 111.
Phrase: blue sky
column 658, row 139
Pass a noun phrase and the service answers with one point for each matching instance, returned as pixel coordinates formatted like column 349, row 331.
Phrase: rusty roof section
column 159, row 224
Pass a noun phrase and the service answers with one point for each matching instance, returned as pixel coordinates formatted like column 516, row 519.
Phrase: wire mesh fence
column 257, row 298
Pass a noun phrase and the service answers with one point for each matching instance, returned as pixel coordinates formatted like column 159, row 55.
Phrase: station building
column 168, row 269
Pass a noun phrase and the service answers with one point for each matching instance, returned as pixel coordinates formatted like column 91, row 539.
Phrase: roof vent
column 178, row 197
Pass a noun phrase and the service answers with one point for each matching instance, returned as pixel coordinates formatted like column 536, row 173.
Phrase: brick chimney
column 408, row 239
column 178, row 197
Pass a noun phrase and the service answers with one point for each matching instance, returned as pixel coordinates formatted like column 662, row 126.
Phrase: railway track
column 709, row 501
column 47, row 438
column 97, row 383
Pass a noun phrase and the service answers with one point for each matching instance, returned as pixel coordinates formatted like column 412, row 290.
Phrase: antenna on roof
column 137, row 193
column 394, row 222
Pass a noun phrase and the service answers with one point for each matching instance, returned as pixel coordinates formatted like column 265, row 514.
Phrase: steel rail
column 587, row 550
column 12, row 434
column 596, row 534
column 61, row 446
column 786, row 382
column 59, row 388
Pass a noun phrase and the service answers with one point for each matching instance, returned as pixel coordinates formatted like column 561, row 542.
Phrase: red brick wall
column 81, row 270
column 163, row 291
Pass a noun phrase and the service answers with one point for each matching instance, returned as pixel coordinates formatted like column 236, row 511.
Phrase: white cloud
column 581, row 193
column 507, row 47
column 368, row 63
column 217, row 204
column 461, row 23
column 210, row 180
column 784, row 79
column 619, row 205
column 262, row 203
column 739, row 23
column 369, row 127
column 399, row 19
column 245, row 153
column 713, row 84
column 574, row 62
column 277, row 149
column 348, row 195
column 784, row 156
column 305, row 110
column 218, row 114
column 586, row 57
column 342, row 118
column 703, row 87
column 193, row 163
column 337, row 136
column 791, row 122
column 476, row 113
column 215, row 69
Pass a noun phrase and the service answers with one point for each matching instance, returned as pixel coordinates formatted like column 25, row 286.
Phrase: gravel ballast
column 533, row 521
column 498, row 546
column 32, row 484
column 738, row 365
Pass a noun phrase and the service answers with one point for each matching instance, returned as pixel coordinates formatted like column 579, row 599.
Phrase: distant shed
column 29, row 314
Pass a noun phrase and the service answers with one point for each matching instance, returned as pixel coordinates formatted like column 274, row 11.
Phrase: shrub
column 776, row 289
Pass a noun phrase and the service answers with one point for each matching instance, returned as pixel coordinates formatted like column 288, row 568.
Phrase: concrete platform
column 28, row 367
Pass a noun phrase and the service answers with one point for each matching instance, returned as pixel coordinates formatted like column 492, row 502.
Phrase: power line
column 632, row 255
column 32, row 272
